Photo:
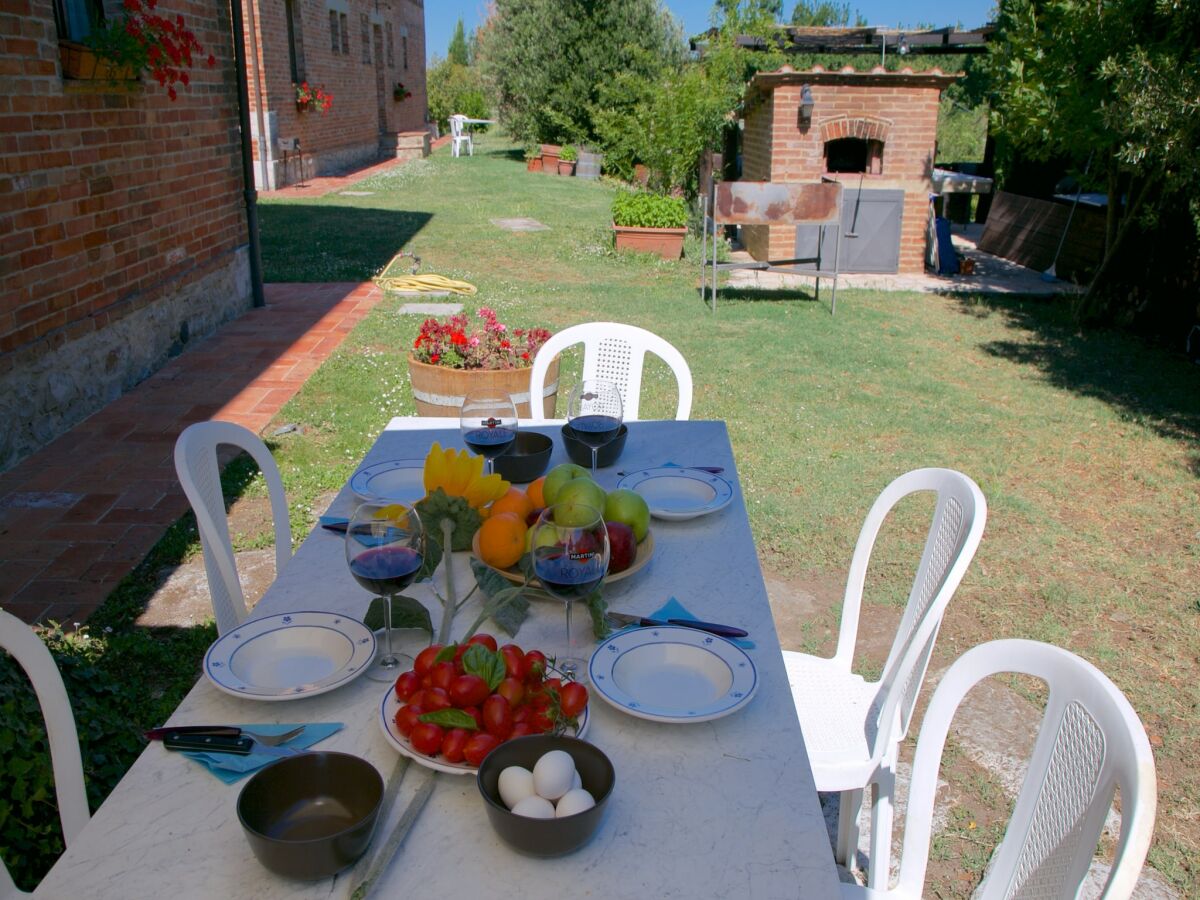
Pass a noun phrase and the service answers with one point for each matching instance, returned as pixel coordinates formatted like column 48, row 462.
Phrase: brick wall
column 365, row 120
column 122, row 224
column 899, row 109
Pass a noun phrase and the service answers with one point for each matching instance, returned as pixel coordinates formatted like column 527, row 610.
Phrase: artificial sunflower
column 460, row 474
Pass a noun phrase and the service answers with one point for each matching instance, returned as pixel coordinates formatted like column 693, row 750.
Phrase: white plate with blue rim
column 672, row 674
column 289, row 656
column 394, row 481
column 677, row 493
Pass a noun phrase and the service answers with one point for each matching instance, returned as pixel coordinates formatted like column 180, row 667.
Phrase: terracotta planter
column 550, row 158
column 533, row 165
column 641, row 174
column 439, row 391
column 565, row 167
column 666, row 242
column 82, row 64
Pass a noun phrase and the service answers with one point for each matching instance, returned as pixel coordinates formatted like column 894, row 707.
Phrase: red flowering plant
column 143, row 39
column 452, row 343
column 310, row 96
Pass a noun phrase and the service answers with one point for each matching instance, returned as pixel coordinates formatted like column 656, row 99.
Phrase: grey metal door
column 870, row 233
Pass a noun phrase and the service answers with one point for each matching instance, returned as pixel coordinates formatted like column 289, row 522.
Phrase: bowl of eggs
column 545, row 794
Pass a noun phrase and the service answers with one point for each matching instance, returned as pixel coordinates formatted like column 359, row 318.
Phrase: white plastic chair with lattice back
column 613, row 352
column 459, row 136
column 199, row 472
column 1090, row 743
column 853, row 727
column 31, row 655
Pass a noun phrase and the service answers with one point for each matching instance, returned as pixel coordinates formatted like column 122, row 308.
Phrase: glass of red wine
column 570, row 559
column 489, row 425
column 594, row 412
column 385, row 547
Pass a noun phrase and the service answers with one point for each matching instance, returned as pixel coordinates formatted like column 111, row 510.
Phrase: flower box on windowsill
column 80, row 63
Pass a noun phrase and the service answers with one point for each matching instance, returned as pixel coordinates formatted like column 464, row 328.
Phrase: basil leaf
column 407, row 612
column 446, row 654
column 450, row 718
column 489, row 666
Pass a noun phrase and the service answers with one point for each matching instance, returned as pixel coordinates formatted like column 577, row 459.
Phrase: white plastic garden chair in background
column 199, row 472
column 613, row 352
column 853, row 727
column 460, row 136
column 1089, row 744
column 31, row 655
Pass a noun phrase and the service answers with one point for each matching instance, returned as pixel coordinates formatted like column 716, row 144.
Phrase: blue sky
column 441, row 15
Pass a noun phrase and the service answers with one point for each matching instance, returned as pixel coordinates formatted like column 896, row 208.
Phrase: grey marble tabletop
column 725, row 808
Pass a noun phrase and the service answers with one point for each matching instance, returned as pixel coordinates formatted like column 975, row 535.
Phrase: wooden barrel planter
column 439, row 391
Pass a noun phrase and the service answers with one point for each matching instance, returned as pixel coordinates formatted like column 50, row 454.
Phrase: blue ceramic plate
column 674, row 492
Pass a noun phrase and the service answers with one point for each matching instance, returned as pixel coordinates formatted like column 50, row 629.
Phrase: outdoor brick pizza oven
column 875, row 132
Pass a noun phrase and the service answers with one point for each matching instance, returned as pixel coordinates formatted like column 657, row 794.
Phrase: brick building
column 875, row 132
column 122, row 222
column 363, row 52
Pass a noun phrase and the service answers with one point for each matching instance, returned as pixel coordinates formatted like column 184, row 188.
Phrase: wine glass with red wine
column 570, row 559
column 594, row 412
column 385, row 547
column 489, row 425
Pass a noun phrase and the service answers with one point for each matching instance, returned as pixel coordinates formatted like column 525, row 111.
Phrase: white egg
column 534, row 807
column 574, row 801
column 554, row 774
column 577, row 782
column 515, row 784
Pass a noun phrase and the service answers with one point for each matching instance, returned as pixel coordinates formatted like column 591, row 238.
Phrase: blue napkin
column 230, row 767
column 673, row 609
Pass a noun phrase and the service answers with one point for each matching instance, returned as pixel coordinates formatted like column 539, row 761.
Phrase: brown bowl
column 526, row 458
column 581, row 454
column 312, row 815
column 546, row 837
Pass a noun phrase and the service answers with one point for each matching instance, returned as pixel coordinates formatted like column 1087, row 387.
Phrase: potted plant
column 533, row 159
column 550, row 154
column 650, row 223
column 400, row 93
column 450, row 359
column 312, row 98
column 566, row 160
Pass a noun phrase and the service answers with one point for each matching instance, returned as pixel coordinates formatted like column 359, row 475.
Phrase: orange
column 534, row 492
column 502, row 539
column 515, row 501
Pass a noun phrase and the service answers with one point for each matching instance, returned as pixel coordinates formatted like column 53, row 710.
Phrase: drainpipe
column 248, row 190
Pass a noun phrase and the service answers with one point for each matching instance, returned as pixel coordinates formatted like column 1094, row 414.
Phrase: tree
column 457, row 51
column 824, row 13
column 454, row 88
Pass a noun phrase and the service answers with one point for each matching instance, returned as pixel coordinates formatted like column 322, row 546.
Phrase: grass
column 1087, row 444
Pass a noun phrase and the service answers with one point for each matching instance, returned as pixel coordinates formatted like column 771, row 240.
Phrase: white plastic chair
column 199, row 473
column 31, row 654
column 613, row 352
column 852, row 727
column 459, row 136
column 1090, row 742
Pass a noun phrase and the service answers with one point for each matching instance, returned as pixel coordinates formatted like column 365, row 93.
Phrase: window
column 391, row 55
column 404, row 50
column 345, row 20
column 366, row 37
column 854, row 155
column 295, row 42
column 76, row 18
column 335, row 42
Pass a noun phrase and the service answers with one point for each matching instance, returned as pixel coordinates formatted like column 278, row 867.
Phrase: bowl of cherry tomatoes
column 461, row 701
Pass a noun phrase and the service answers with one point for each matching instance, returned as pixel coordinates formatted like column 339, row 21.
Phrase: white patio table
column 719, row 809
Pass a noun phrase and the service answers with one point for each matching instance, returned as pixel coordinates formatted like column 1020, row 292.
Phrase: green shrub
column 568, row 153
column 640, row 209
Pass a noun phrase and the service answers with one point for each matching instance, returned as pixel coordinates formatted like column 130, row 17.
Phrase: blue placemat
column 230, row 767
column 673, row 609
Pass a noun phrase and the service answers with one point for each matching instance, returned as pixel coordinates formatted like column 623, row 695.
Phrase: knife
column 215, row 743
column 158, row 734
column 725, row 631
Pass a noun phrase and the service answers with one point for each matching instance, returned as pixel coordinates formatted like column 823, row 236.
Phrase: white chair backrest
column 456, row 126
column 959, row 515
column 31, row 654
column 198, row 470
column 1090, row 742
column 613, row 352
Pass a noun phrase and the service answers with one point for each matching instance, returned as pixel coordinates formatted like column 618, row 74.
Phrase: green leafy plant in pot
column 566, row 160
column 650, row 223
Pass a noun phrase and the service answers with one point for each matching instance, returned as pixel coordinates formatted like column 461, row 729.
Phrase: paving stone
column 357, row 193
column 520, row 224
column 430, row 309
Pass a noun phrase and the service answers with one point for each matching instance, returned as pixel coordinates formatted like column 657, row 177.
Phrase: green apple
column 558, row 477
column 629, row 507
column 579, row 501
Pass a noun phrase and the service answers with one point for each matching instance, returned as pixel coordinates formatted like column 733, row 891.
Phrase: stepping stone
column 520, row 224
column 430, row 309
column 357, row 193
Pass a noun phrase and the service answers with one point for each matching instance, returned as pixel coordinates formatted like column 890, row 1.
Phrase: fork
column 273, row 740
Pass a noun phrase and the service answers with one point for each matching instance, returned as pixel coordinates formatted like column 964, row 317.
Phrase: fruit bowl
column 645, row 549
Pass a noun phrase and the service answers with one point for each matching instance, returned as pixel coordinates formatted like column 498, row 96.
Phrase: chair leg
column 849, row 806
column 883, row 792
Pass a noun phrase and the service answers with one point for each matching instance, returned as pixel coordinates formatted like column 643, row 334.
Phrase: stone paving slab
column 430, row 309
column 522, row 223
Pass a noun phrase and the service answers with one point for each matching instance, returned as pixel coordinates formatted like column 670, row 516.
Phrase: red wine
column 385, row 570
column 490, row 442
column 569, row 576
column 595, row 431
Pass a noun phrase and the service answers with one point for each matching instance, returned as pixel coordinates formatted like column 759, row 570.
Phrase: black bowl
column 546, row 837
column 312, row 815
column 581, row 454
column 526, row 458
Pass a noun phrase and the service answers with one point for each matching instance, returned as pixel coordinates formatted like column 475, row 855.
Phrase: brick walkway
column 327, row 184
column 77, row 516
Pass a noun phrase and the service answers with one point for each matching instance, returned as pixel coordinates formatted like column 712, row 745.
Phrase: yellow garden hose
column 420, row 284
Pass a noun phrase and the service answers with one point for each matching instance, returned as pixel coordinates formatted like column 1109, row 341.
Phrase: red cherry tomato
column 523, row 713
column 427, row 738
column 512, row 690
column 435, row 699
column 475, row 713
column 417, row 698
column 468, row 690
column 425, row 659
column 458, row 655
column 537, row 698
column 541, row 721
column 442, row 674
column 572, row 699
column 521, row 729
column 453, row 743
column 535, row 665
column 486, row 639
column 552, row 685
column 497, row 716
column 478, row 746
column 514, row 661
column 407, row 685
column 406, row 718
